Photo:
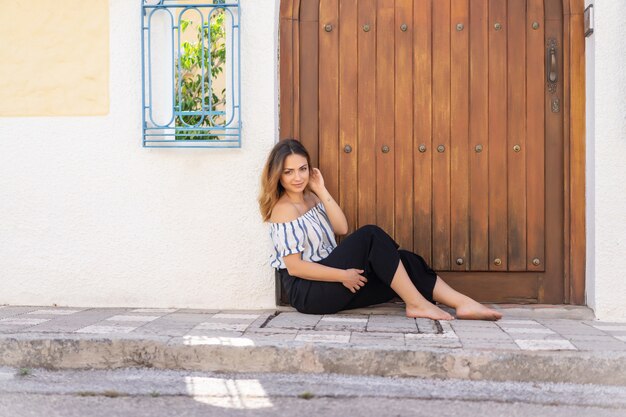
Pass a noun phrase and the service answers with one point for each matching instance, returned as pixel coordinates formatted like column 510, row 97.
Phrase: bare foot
column 427, row 311
column 472, row 310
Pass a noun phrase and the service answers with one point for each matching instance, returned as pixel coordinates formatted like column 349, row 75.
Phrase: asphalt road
column 156, row 393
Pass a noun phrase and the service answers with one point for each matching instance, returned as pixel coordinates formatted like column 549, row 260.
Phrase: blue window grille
column 191, row 73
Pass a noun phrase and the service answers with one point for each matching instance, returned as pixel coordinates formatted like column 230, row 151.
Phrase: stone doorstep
column 514, row 314
column 223, row 354
column 484, row 340
column 233, row 323
column 292, row 331
column 383, row 339
column 544, row 311
column 598, row 346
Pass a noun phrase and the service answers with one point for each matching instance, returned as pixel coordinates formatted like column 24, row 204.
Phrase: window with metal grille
column 191, row 82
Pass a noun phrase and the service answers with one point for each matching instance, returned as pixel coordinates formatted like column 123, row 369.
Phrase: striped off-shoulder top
column 310, row 234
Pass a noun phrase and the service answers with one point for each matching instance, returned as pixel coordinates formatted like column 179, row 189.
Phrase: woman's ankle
column 419, row 304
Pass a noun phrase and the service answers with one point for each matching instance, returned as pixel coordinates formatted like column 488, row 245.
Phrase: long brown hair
column 271, row 188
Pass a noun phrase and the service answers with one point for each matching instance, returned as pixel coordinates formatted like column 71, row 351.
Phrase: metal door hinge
column 589, row 21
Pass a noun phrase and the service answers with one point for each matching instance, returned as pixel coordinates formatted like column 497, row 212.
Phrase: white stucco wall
column 606, row 161
column 90, row 218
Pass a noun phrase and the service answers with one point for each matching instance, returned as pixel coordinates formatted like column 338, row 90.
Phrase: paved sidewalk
column 555, row 344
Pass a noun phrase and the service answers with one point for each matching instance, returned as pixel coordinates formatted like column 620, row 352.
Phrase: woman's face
column 295, row 175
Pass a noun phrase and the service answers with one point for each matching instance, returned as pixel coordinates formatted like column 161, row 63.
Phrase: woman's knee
column 371, row 231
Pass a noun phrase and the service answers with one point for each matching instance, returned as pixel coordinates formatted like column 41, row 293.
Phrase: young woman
column 366, row 268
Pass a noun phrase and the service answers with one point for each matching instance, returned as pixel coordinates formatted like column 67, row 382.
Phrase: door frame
column 574, row 239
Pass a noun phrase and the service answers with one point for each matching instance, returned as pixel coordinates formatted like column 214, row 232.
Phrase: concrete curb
column 72, row 352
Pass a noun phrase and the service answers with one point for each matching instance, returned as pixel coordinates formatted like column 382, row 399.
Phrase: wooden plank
column 309, row 10
column 556, row 215
column 286, row 9
column 295, row 12
column 575, row 7
column 520, row 287
column 385, row 115
column 404, row 125
column 535, row 138
column 479, row 130
column 574, row 147
column 516, row 160
column 422, row 62
column 441, row 134
column 309, row 84
column 563, row 96
column 329, row 93
column 348, row 109
column 285, row 94
column 296, row 69
column 366, row 148
column 459, row 146
column 286, row 78
column 497, row 136
column 577, row 154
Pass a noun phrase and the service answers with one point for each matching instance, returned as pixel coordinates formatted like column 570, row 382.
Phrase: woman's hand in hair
column 353, row 280
column 335, row 214
column 316, row 181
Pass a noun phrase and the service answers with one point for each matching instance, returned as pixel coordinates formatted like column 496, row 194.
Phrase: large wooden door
column 442, row 121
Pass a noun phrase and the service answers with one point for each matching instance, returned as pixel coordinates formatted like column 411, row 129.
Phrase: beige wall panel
column 54, row 57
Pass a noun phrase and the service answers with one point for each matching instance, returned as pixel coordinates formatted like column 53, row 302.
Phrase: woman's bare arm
column 350, row 278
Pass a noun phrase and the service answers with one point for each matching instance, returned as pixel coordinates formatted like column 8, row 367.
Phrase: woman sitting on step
column 366, row 268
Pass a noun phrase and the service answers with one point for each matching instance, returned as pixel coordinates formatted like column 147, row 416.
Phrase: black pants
column 368, row 248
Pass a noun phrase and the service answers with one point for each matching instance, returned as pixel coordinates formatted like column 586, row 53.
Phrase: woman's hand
column 353, row 280
column 316, row 181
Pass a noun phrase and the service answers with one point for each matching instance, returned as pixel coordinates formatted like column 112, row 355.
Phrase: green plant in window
column 194, row 88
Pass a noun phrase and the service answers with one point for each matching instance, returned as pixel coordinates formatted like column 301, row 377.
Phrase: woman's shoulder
column 284, row 212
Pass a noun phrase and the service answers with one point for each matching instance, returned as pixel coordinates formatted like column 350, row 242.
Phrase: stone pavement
column 540, row 343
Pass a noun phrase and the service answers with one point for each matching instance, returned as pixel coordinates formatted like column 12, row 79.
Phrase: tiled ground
column 388, row 330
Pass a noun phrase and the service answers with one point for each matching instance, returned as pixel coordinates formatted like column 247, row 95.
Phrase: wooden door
column 442, row 121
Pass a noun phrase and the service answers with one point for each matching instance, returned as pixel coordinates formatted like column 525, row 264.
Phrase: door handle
column 552, row 66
